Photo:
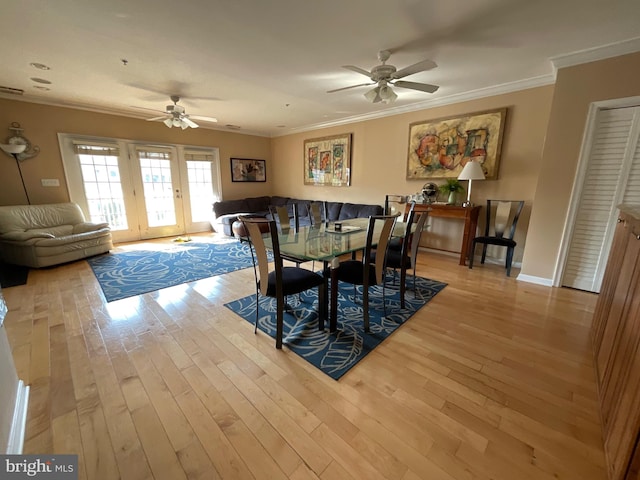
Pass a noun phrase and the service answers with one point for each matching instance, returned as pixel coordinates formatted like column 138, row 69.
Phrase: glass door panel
column 200, row 178
column 99, row 169
column 162, row 198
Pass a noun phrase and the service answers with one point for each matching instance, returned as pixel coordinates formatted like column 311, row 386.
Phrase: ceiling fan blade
column 423, row 87
column 148, row 109
column 189, row 123
column 155, row 119
column 415, row 68
column 352, row 86
column 204, row 119
column 353, row 68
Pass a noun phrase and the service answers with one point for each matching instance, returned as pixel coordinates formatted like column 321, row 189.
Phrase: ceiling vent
column 12, row 91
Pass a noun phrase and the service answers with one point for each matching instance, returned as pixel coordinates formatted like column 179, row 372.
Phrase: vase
column 452, row 198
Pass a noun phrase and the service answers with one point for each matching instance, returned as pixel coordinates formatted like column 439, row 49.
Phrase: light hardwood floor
column 493, row 379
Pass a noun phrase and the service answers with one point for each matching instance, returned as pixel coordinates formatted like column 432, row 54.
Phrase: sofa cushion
column 333, row 211
column 230, row 206
column 258, row 204
column 89, row 227
column 352, row 210
column 277, row 201
column 303, row 210
column 26, row 217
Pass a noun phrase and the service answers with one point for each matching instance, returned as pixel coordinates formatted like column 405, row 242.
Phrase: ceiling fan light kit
column 175, row 116
column 384, row 76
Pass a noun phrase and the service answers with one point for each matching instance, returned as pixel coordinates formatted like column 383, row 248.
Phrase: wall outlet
column 50, row 182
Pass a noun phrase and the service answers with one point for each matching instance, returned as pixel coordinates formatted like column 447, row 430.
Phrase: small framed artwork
column 327, row 161
column 248, row 170
column 441, row 148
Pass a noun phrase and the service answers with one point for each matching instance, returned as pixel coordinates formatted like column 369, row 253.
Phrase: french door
column 158, row 195
column 142, row 191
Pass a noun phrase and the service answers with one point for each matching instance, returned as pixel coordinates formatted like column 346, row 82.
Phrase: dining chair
column 280, row 213
column 278, row 281
column 315, row 213
column 403, row 255
column 369, row 270
column 395, row 204
column 500, row 228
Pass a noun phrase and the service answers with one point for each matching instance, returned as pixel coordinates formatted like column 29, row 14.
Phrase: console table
column 468, row 214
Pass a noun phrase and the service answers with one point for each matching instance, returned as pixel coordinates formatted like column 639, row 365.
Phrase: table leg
column 333, row 320
column 464, row 250
column 323, row 301
column 470, row 226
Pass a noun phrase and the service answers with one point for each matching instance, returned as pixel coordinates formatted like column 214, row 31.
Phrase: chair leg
column 255, row 329
column 414, row 281
column 509, row 260
column 321, row 301
column 384, row 301
column 279, row 321
column 365, row 307
column 471, row 254
column 403, row 286
column 484, row 253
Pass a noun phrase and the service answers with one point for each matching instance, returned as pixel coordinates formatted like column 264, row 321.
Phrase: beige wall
column 42, row 124
column 576, row 88
column 539, row 172
column 379, row 157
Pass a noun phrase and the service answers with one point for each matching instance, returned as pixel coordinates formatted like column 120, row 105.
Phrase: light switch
column 50, row 182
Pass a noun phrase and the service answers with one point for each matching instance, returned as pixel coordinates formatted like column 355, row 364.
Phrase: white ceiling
column 265, row 65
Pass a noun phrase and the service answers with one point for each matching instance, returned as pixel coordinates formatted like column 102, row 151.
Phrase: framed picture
column 327, row 161
column 441, row 148
column 248, row 170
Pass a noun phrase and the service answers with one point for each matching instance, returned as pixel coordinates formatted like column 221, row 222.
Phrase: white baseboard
column 547, row 282
column 19, row 423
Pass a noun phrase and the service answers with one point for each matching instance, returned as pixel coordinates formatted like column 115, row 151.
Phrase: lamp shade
column 387, row 94
column 373, row 95
column 471, row 171
column 12, row 148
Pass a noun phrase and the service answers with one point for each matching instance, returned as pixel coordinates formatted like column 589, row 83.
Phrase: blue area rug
column 336, row 353
column 125, row 274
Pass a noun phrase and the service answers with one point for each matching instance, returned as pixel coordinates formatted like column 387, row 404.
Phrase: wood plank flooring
column 493, row 379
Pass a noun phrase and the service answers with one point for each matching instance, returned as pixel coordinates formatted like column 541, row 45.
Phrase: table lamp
column 471, row 171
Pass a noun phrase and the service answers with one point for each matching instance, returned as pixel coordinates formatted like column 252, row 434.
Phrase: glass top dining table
column 324, row 244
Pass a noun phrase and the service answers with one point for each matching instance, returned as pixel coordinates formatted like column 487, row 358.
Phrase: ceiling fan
column 175, row 116
column 384, row 76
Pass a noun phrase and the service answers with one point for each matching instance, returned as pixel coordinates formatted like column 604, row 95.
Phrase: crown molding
column 602, row 52
column 120, row 113
column 436, row 102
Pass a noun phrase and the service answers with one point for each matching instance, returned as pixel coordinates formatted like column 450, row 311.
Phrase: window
column 201, row 188
column 102, row 188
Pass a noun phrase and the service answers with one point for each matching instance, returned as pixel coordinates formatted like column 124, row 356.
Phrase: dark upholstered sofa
column 227, row 211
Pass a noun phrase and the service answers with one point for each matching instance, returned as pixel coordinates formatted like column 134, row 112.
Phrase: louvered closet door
column 612, row 177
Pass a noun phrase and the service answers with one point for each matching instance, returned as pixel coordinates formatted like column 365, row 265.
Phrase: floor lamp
column 14, row 150
column 471, row 171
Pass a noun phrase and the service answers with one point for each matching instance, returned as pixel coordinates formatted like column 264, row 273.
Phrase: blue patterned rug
column 335, row 354
column 125, row 274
